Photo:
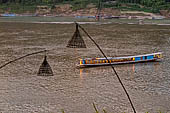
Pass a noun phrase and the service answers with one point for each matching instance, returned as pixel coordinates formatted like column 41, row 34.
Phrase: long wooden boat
column 87, row 62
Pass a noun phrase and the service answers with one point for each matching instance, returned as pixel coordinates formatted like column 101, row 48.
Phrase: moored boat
column 87, row 62
column 8, row 15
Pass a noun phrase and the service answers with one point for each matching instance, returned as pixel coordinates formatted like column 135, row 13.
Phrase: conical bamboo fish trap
column 45, row 69
column 76, row 40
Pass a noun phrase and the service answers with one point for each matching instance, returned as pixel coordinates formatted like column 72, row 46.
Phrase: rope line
column 111, row 66
column 21, row 58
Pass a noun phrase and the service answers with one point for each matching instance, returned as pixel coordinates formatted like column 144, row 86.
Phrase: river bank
column 66, row 10
column 70, row 20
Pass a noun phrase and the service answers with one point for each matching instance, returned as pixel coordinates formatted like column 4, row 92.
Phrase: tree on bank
column 147, row 5
column 144, row 2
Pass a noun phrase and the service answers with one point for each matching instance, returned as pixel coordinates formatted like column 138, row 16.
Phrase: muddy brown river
column 75, row 90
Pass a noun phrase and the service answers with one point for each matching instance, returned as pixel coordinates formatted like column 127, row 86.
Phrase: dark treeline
column 60, row 1
column 150, row 5
column 30, row 1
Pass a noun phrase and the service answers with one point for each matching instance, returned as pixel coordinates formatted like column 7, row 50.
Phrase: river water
column 75, row 90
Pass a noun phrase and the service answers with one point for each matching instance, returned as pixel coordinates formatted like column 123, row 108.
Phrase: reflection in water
column 83, row 72
column 95, row 70
column 147, row 65
column 132, row 68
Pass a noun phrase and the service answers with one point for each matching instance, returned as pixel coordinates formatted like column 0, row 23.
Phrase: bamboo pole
column 21, row 58
column 111, row 67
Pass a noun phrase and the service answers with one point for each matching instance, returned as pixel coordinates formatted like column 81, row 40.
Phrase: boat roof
column 122, row 57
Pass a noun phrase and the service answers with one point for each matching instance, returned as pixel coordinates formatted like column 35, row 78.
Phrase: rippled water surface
column 75, row 90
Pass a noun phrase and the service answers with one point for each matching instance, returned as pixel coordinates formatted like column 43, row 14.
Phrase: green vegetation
column 19, row 6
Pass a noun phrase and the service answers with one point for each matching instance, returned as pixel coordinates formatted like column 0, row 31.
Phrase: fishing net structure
column 76, row 40
column 45, row 69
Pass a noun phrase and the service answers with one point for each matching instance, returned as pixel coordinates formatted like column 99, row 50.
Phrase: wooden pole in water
column 98, row 11
column 111, row 67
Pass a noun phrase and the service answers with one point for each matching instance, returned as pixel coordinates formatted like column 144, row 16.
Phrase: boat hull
column 89, row 62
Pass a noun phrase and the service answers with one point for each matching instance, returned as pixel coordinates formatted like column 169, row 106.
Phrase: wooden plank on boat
column 119, row 60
